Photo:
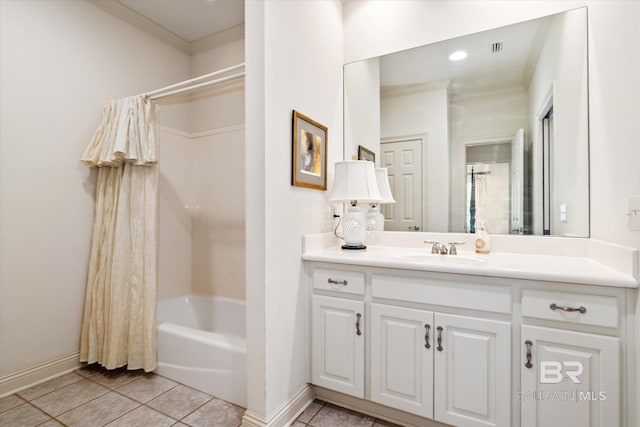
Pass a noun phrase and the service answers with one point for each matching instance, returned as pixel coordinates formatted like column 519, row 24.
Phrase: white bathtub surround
column 202, row 343
column 118, row 326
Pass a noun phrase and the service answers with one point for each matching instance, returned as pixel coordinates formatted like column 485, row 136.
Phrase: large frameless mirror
column 487, row 128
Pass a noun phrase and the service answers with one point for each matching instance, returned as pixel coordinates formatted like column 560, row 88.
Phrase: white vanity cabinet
column 451, row 368
column 570, row 377
column 368, row 343
column 337, row 331
column 429, row 348
column 402, row 354
column 472, row 375
column 338, row 343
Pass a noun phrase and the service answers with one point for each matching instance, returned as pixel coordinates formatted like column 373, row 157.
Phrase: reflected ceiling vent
column 497, row 47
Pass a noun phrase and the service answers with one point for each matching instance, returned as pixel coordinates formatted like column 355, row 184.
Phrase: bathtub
column 202, row 344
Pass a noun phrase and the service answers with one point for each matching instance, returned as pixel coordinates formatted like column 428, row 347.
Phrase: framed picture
column 309, row 156
column 366, row 154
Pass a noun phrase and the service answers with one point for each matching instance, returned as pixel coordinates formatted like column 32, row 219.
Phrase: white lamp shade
column 382, row 178
column 355, row 180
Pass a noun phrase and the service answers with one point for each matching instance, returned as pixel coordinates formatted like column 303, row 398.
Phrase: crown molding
column 143, row 23
column 156, row 30
column 217, row 39
column 410, row 89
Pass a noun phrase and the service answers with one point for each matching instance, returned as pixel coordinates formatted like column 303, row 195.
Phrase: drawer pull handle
column 427, row 328
column 439, row 348
column 528, row 344
column 337, row 282
column 554, row 306
column 358, row 331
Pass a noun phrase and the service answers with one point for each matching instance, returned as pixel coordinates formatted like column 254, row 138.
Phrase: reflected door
column 403, row 159
column 517, row 182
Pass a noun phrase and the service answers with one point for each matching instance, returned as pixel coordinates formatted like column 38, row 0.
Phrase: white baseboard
column 25, row 378
column 286, row 414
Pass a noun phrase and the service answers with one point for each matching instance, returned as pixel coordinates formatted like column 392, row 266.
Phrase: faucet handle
column 453, row 250
column 435, row 249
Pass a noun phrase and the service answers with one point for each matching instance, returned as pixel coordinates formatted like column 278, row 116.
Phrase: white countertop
column 556, row 268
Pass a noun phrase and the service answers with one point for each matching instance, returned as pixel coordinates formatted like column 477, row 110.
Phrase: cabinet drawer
column 599, row 310
column 490, row 298
column 350, row 282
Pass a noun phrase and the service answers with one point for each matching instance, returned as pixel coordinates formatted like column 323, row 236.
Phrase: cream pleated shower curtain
column 118, row 327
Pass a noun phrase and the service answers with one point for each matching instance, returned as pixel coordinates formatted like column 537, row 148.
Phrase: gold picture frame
column 309, row 154
column 366, row 154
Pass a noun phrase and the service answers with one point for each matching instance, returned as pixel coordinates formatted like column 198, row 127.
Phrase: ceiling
column 482, row 71
column 191, row 20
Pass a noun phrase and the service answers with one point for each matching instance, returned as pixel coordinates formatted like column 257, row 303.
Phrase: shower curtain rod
column 158, row 93
column 196, row 86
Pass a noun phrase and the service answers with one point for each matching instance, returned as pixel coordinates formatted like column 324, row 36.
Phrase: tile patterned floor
column 94, row 397
column 322, row 414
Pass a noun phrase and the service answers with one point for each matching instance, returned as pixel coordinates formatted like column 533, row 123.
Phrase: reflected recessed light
column 458, row 55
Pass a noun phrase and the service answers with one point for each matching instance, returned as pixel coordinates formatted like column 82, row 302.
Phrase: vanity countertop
column 570, row 269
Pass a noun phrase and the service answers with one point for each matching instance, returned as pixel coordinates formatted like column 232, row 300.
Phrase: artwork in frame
column 309, row 156
column 366, row 154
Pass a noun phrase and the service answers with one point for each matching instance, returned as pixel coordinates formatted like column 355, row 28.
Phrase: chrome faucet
column 438, row 248
column 452, row 249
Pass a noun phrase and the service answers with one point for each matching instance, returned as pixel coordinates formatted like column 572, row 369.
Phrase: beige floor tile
column 23, row 416
column 298, row 424
column 332, row 416
column 310, row 411
column 49, row 386
column 98, row 412
column 216, row 413
column 51, row 423
column 143, row 416
column 114, row 378
column 180, row 401
column 383, row 423
column 69, row 397
column 10, row 401
column 147, row 387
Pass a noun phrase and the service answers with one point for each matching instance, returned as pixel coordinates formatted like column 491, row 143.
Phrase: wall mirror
column 499, row 136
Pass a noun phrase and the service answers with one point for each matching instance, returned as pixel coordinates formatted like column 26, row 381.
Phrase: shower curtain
column 118, row 326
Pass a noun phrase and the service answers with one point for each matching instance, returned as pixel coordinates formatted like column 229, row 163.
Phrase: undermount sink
column 462, row 260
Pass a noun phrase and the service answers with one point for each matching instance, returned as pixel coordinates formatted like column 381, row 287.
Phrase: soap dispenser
column 483, row 241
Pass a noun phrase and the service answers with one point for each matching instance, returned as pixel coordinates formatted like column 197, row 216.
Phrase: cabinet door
column 573, row 378
column 338, row 344
column 472, row 371
column 402, row 358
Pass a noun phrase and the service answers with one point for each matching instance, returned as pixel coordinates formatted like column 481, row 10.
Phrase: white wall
column 380, row 27
column 61, row 62
column 223, row 105
column 561, row 71
column 362, row 125
column 294, row 62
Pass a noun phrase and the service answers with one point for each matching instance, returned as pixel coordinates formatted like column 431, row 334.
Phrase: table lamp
column 375, row 219
column 354, row 182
